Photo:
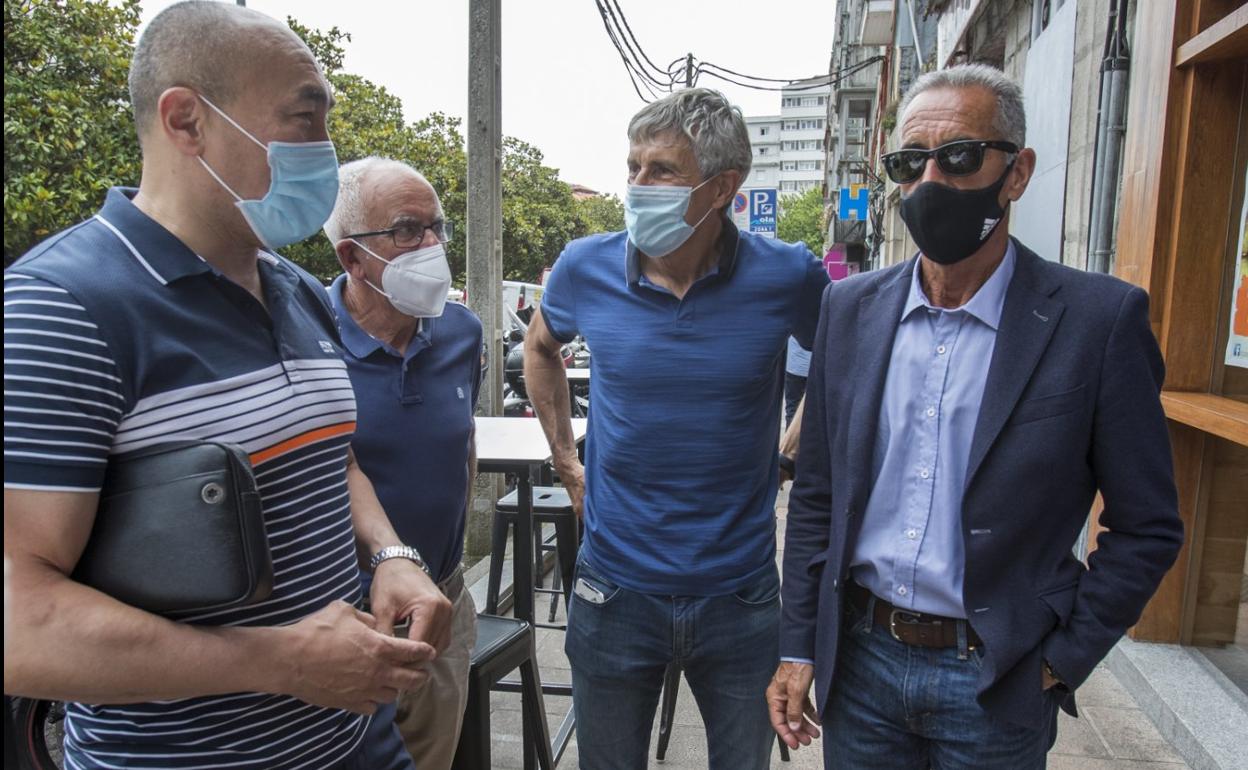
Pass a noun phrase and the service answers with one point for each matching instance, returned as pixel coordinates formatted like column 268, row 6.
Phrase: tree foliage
column 68, row 131
column 600, row 214
column 69, row 136
column 802, row 219
column 539, row 213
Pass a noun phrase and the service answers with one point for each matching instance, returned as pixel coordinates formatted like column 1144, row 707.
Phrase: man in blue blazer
column 963, row 409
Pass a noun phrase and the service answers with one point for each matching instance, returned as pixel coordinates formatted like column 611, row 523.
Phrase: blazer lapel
column 879, row 315
column 1028, row 318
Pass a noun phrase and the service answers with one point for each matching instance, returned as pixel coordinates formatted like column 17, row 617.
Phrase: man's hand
column 1047, row 679
column 793, row 717
column 572, row 474
column 339, row 660
column 402, row 590
column 791, row 440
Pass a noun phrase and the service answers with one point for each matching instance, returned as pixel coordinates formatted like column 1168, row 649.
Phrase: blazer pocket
column 816, row 562
column 1052, row 405
column 1062, row 601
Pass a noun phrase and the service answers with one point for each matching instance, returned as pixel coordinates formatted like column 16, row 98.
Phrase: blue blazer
column 1071, row 406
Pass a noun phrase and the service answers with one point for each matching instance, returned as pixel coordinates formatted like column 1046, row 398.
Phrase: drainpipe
column 1111, row 130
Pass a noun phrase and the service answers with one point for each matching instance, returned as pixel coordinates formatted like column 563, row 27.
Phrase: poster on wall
column 1237, row 344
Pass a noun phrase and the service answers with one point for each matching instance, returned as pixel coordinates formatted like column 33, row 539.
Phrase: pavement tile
column 1077, row 737
column 1062, row 762
column 1103, row 689
column 1130, row 734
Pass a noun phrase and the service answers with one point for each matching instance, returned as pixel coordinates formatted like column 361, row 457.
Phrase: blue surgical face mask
column 655, row 217
column 303, row 186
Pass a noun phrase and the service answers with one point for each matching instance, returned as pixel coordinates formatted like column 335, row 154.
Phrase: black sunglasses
column 959, row 158
column 410, row 234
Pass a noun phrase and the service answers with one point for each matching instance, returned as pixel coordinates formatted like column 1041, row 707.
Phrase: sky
column 564, row 87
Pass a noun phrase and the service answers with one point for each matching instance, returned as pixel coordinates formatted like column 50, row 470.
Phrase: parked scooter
column 515, row 396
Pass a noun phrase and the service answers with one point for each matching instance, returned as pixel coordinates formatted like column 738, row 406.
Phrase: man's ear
column 725, row 186
column 350, row 257
column 180, row 116
column 1020, row 174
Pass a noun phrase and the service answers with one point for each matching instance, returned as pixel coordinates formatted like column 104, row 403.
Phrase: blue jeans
column 897, row 707
column 382, row 747
column 620, row 642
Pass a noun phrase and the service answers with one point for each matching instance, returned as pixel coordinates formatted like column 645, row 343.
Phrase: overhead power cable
column 644, row 74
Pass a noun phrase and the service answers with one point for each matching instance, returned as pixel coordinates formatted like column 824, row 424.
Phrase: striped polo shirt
column 118, row 337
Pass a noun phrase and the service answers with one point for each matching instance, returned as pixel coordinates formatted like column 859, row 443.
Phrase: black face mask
column 948, row 224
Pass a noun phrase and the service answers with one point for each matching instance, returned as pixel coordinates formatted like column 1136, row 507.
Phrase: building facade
column 859, row 57
column 789, row 150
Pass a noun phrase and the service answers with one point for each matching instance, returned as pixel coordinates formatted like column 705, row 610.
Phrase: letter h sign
column 853, row 203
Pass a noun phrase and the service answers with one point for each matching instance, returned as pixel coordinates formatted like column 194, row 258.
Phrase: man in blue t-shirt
column 415, row 363
column 688, row 320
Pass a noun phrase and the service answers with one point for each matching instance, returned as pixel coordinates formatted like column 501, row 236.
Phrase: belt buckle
column 913, row 618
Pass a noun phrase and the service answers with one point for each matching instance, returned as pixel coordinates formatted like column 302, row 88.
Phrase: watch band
column 787, row 464
column 398, row 552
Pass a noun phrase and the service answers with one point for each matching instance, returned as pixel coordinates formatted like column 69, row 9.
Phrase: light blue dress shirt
column 797, row 359
column 910, row 549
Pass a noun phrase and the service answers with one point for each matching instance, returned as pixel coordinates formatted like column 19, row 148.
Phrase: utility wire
column 822, row 82
column 629, row 34
column 634, row 60
column 644, row 73
column 634, row 71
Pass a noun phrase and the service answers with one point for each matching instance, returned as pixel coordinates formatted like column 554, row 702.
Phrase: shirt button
column 925, row 473
column 901, row 590
column 931, row 411
column 940, row 349
column 912, row 533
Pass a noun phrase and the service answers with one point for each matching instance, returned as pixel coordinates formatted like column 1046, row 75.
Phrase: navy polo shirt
column 414, row 425
column 680, row 459
column 117, row 337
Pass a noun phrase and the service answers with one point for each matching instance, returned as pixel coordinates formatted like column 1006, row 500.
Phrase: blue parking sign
column 763, row 211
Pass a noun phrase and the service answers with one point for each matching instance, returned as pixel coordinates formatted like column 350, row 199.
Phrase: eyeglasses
column 410, row 234
column 960, row 158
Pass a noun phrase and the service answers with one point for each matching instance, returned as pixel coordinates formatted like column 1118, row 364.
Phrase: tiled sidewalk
column 1111, row 733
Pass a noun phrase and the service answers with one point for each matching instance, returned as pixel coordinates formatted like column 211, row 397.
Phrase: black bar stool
column 667, row 710
column 551, row 505
column 503, row 645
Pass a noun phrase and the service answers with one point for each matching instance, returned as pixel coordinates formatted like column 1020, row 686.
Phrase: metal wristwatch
column 398, row 552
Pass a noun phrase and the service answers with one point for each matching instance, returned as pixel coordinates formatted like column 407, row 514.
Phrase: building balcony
column 877, row 23
column 798, row 134
column 812, row 111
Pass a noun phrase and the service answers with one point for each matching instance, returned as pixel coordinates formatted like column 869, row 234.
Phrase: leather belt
column 918, row 629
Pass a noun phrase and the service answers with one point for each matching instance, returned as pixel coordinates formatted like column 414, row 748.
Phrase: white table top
column 517, row 440
column 578, row 375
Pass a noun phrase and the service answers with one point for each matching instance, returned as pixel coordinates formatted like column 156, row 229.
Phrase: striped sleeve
column 62, row 394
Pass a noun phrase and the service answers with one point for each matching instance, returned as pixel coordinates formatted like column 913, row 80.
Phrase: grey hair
column 1010, row 120
column 350, row 213
column 201, row 44
column 715, row 129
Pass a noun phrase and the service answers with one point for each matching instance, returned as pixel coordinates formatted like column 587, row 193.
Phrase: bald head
column 204, row 45
column 367, row 191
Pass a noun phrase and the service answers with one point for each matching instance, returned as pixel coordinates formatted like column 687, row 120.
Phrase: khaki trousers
column 430, row 718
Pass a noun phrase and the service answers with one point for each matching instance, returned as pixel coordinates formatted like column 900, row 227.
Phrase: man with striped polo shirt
column 167, row 317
